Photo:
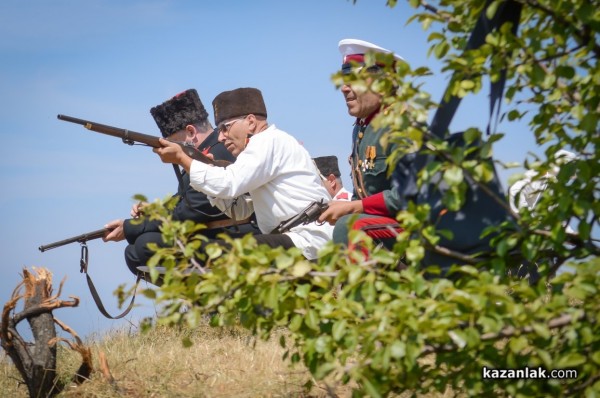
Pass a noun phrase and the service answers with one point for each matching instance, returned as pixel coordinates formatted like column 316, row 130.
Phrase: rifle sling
column 84, row 266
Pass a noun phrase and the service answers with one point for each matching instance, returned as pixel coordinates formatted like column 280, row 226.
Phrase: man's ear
column 251, row 122
column 331, row 179
column 190, row 130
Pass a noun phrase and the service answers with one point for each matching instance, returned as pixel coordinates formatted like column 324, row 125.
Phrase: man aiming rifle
column 181, row 119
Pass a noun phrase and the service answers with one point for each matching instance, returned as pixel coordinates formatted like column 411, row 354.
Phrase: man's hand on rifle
column 171, row 152
column 117, row 234
column 339, row 208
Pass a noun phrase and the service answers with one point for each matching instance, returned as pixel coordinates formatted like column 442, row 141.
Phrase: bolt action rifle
column 310, row 214
column 83, row 263
column 131, row 137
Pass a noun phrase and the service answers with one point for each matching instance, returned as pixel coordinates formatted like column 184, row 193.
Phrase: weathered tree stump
column 36, row 361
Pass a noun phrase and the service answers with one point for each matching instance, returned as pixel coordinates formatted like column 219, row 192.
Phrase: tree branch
column 509, row 331
column 582, row 35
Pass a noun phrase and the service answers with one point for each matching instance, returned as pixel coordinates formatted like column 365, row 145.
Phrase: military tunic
column 372, row 186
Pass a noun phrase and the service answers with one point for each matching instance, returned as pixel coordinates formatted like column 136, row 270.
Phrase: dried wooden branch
column 36, row 362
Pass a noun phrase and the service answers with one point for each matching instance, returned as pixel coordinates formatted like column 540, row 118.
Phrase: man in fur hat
column 332, row 178
column 272, row 166
column 182, row 118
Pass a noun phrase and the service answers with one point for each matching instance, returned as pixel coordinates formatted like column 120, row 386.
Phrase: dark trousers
column 271, row 240
column 138, row 254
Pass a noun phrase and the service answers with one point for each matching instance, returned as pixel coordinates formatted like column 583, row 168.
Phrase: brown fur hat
column 174, row 114
column 238, row 102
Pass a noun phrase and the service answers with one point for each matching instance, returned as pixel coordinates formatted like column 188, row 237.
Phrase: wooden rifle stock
column 130, row 137
column 79, row 238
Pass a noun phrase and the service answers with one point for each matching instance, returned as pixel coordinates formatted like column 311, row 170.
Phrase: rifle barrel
column 79, row 238
column 129, row 137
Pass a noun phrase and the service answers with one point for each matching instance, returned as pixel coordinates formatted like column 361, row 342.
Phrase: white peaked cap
column 356, row 46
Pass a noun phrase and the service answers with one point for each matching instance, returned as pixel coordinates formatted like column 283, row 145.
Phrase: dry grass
column 223, row 362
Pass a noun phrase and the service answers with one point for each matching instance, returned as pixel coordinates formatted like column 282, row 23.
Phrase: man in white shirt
column 272, row 167
column 332, row 178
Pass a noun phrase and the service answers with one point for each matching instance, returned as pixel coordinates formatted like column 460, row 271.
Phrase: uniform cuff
column 375, row 205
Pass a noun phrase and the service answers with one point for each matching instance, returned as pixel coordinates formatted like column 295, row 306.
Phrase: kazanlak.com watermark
column 528, row 373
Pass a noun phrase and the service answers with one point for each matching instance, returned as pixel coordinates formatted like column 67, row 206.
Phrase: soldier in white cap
column 374, row 200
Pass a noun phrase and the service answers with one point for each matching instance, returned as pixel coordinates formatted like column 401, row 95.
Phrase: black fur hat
column 238, row 102
column 183, row 109
column 328, row 165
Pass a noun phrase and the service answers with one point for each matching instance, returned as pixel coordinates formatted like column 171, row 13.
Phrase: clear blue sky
column 110, row 61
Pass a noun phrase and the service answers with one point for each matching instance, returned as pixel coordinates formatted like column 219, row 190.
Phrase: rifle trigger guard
column 126, row 139
column 83, row 262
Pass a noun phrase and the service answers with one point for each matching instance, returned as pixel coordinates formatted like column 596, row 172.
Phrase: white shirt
column 529, row 191
column 280, row 177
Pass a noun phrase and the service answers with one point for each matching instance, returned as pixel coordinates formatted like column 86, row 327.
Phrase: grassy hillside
column 223, row 362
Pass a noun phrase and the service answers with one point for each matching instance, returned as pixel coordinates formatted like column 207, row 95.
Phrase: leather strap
column 84, row 266
column 226, row 223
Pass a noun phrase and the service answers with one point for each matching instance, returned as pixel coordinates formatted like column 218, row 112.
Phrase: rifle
column 79, row 238
column 131, row 137
column 310, row 214
column 83, row 263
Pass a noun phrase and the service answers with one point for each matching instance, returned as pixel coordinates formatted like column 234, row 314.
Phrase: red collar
column 341, row 195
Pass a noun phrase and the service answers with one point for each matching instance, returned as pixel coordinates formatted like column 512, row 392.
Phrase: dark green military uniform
column 371, row 185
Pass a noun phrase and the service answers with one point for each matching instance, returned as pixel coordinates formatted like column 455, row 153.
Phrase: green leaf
column 311, row 320
column 272, row 300
column 398, row 349
column 371, row 387
column 355, row 274
column 149, row 293
column 491, row 10
column 467, row 84
column 296, row 323
column 415, row 252
column 458, row 338
column 541, row 330
column 571, row 360
column 301, row 269
column 324, row 369
column 302, row 291
column 441, row 49
column 517, row 344
column 284, row 261
column 453, row 175
column 339, row 329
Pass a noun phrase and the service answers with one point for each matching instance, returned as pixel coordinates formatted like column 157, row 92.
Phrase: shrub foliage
column 393, row 329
